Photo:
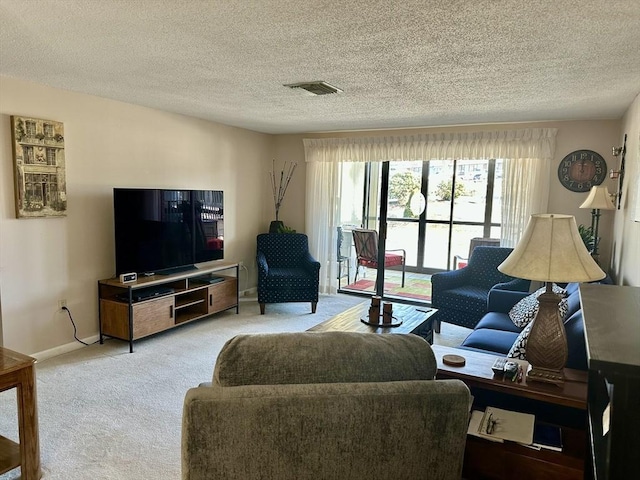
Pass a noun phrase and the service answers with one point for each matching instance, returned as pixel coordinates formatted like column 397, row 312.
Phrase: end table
column 18, row 371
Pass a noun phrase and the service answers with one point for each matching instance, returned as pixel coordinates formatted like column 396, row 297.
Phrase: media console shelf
column 130, row 311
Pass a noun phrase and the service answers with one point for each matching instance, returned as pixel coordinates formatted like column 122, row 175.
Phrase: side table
column 564, row 406
column 18, row 371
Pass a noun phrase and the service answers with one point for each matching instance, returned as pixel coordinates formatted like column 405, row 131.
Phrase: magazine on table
column 507, row 425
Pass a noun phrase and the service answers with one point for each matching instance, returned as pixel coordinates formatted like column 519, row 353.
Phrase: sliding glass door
column 429, row 209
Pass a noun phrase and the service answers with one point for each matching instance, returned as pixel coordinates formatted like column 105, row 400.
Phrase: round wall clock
column 581, row 170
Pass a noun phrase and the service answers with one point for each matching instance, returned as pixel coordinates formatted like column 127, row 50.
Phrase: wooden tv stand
column 181, row 298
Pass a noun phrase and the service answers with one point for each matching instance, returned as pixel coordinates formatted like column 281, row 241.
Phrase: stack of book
column 548, row 437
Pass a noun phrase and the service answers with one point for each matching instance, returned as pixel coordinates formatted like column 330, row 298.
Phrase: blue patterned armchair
column 286, row 270
column 461, row 295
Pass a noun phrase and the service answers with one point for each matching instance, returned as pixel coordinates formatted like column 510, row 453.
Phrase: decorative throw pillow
column 519, row 347
column 525, row 310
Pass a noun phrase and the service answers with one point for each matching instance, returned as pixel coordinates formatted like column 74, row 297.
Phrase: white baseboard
column 69, row 347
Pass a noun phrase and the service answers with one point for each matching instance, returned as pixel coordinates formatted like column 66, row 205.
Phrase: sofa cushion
column 487, row 339
column 323, row 357
column 498, row 321
column 525, row 310
column 291, row 277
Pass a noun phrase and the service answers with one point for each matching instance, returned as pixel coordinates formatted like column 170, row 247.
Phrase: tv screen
column 160, row 231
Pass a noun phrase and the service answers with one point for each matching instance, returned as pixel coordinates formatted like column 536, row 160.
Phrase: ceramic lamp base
column 547, row 349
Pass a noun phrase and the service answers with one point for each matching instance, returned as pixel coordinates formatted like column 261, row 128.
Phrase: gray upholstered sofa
column 325, row 405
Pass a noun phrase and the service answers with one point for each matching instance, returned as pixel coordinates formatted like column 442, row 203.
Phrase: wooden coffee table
column 415, row 319
column 485, row 459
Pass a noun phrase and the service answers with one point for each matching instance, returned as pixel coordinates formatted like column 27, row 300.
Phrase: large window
column 471, row 161
column 433, row 208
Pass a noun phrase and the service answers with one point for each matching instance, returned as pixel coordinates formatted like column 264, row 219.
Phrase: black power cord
column 75, row 331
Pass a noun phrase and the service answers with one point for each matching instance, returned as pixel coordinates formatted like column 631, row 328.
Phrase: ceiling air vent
column 315, row 88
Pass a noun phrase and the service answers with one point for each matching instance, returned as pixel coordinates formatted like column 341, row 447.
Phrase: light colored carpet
column 107, row 414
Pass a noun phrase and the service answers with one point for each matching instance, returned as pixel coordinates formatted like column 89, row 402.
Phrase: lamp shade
column 551, row 250
column 599, row 198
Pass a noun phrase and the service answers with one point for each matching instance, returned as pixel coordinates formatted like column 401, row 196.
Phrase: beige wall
column 109, row 144
column 626, row 248
column 596, row 135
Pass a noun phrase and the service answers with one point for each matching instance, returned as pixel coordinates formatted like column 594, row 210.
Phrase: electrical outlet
column 62, row 303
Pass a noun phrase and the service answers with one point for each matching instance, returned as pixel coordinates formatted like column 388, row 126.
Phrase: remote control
column 498, row 365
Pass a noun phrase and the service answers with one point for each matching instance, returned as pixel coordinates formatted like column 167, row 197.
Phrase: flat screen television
column 161, row 231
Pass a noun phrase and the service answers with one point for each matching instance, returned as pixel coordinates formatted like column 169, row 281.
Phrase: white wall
column 110, row 144
column 626, row 249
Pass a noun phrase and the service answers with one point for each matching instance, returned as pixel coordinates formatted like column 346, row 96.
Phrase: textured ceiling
column 401, row 63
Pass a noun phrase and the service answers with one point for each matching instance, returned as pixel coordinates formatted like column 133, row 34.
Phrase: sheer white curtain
column 526, row 154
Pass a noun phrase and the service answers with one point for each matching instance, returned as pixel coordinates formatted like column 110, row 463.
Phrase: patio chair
column 366, row 244
column 460, row 261
column 342, row 258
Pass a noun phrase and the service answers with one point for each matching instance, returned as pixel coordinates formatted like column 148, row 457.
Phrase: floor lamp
column 550, row 250
column 598, row 199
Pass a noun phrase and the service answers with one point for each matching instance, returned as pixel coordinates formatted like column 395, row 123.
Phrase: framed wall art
column 39, row 167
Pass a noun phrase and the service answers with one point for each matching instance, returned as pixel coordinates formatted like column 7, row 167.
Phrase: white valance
column 507, row 144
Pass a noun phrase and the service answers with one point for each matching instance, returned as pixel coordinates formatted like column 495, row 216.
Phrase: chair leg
column 262, row 309
column 403, row 260
column 313, row 307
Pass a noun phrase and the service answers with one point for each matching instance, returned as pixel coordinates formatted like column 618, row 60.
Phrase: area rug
column 413, row 288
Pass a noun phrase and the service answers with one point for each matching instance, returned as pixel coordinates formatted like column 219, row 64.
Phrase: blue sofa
column 495, row 332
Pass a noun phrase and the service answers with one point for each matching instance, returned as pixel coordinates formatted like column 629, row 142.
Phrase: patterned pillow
column 519, row 347
column 525, row 310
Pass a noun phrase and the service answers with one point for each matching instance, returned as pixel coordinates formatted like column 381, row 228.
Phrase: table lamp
column 598, row 199
column 550, row 250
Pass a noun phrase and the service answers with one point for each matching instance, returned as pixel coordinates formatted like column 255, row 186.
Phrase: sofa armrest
column 263, row 268
column 311, row 264
column 517, row 284
column 502, row 301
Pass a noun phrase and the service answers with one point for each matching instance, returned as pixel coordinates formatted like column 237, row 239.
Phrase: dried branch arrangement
column 280, row 182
